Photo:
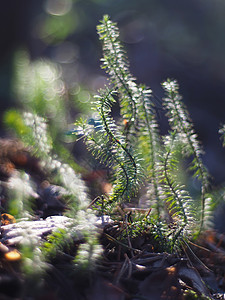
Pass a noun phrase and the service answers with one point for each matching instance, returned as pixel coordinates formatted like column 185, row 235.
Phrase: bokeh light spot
column 58, row 7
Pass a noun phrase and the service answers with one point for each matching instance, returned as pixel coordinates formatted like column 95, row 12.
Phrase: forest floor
column 133, row 270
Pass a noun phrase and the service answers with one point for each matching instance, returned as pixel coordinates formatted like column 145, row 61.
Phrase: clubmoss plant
column 180, row 123
column 222, row 132
column 38, row 134
column 132, row 148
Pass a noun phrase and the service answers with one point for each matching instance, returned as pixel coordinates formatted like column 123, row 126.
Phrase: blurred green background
column 183, row 40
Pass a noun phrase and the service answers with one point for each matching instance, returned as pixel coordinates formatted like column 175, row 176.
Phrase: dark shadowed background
column 183, row 40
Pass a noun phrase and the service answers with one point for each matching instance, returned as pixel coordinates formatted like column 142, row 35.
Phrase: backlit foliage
column 135, row 153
